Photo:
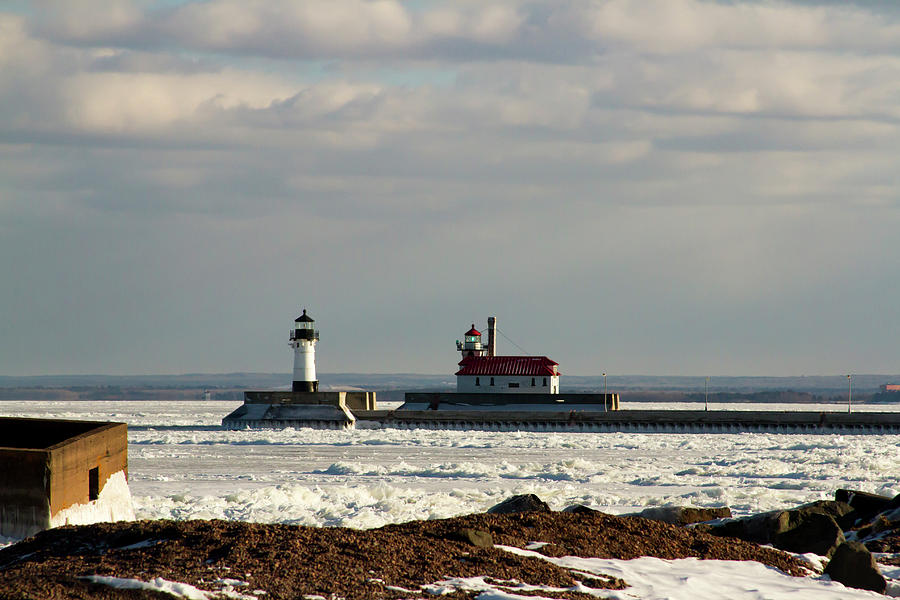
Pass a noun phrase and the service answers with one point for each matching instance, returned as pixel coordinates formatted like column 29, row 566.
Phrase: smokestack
column 492, row 336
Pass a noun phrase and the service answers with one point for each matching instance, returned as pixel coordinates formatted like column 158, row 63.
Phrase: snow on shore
column 648, row 578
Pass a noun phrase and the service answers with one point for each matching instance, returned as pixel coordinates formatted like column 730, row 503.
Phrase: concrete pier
column 642, row 421
column 443, row 401
column 532, row 412
column 283, row 409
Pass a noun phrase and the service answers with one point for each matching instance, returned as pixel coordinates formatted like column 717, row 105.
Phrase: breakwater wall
column 647, row 421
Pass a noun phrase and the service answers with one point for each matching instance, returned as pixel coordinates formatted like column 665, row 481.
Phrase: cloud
column 559, row 32
column 628, row 168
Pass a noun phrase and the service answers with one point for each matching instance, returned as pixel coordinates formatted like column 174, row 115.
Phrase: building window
column 477, row 382
column 492, row 381
column 513, row 384
column 532, row 382
column 545, row 382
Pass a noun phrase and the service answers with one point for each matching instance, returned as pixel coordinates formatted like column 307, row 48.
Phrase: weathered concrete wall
column 562, row 402
column 352, row 400
column 265, row 415
column 24, row 491
column 104, row 448
column 361, row 401
column 45, row 467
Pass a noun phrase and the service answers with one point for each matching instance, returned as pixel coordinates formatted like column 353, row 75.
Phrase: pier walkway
column 649, row 421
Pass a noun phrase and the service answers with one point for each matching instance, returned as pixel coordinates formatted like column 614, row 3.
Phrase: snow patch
column 695, row 579
column 173, row 588
column 177, row 589
column 112, row 504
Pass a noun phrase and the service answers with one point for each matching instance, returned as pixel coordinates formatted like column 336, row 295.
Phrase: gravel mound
column 293, row 561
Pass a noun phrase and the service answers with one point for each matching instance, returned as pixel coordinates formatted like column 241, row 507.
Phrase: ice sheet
column 183, row 465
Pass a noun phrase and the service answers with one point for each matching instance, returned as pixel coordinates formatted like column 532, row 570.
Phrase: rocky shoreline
column 227, row 559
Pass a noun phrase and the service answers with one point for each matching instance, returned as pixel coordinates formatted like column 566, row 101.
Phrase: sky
column 681, row 187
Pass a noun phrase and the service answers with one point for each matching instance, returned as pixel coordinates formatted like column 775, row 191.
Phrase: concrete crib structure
column 279, row 410
column 57, row 472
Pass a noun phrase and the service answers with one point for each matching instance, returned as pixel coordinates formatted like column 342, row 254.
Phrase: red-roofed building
column 481, row 371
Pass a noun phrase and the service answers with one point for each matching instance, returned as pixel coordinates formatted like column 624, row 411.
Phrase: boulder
column 759, row 529
column 767, row 528
column 685, row 515
column 520, row 504
column 855, row 567
column 476, row 537
column 841, row 512
column 810, row 532
column 580, row 509
column 866, row 504
column 894, row 503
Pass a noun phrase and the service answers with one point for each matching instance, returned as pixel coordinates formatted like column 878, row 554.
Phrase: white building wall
column 467, row 384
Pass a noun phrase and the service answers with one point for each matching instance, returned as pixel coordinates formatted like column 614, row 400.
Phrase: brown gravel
column 290, row 561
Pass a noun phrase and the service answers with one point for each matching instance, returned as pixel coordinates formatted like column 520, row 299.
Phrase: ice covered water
column 182, row 466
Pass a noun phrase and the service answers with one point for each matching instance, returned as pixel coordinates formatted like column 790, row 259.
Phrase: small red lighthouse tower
column 471, row 344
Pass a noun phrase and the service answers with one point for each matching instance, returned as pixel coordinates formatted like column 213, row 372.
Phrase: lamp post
column 849, row 392
column 706, row 396
column 605, row 395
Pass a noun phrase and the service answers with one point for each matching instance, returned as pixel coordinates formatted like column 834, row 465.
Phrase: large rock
column 855, row 567
column 520, row 504
column 581, row 509
column 843, row 514
column 476, row 537
column 810, row 532
column 818, row 531
column 685, row 515
column 866, row 504
column 759, row 529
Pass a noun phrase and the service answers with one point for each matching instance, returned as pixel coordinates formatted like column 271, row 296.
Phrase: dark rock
column 855, row 567
column 866, row 504
column 519, row 504
column 580, row 509
column 760, row 529
column 766, row 528
column 810, row 532
column 476, row 537
column 685, row 515
column 841, row 512
column 894, row 503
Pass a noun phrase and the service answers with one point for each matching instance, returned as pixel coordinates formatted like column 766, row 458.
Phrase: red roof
column 508, row 365
column 473, row 331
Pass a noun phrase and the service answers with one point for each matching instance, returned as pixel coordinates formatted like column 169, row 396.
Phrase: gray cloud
column 679, row 187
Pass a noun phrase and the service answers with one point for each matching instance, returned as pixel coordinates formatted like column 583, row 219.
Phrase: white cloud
column 684, row 25
column 651, row 156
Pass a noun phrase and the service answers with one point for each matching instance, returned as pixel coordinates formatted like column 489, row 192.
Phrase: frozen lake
column 182, row 466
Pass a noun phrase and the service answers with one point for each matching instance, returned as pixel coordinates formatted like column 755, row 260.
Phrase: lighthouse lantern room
column 471, row 344
column 303, row 340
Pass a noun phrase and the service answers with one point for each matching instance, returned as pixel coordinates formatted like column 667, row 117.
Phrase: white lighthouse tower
column 303, row 341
